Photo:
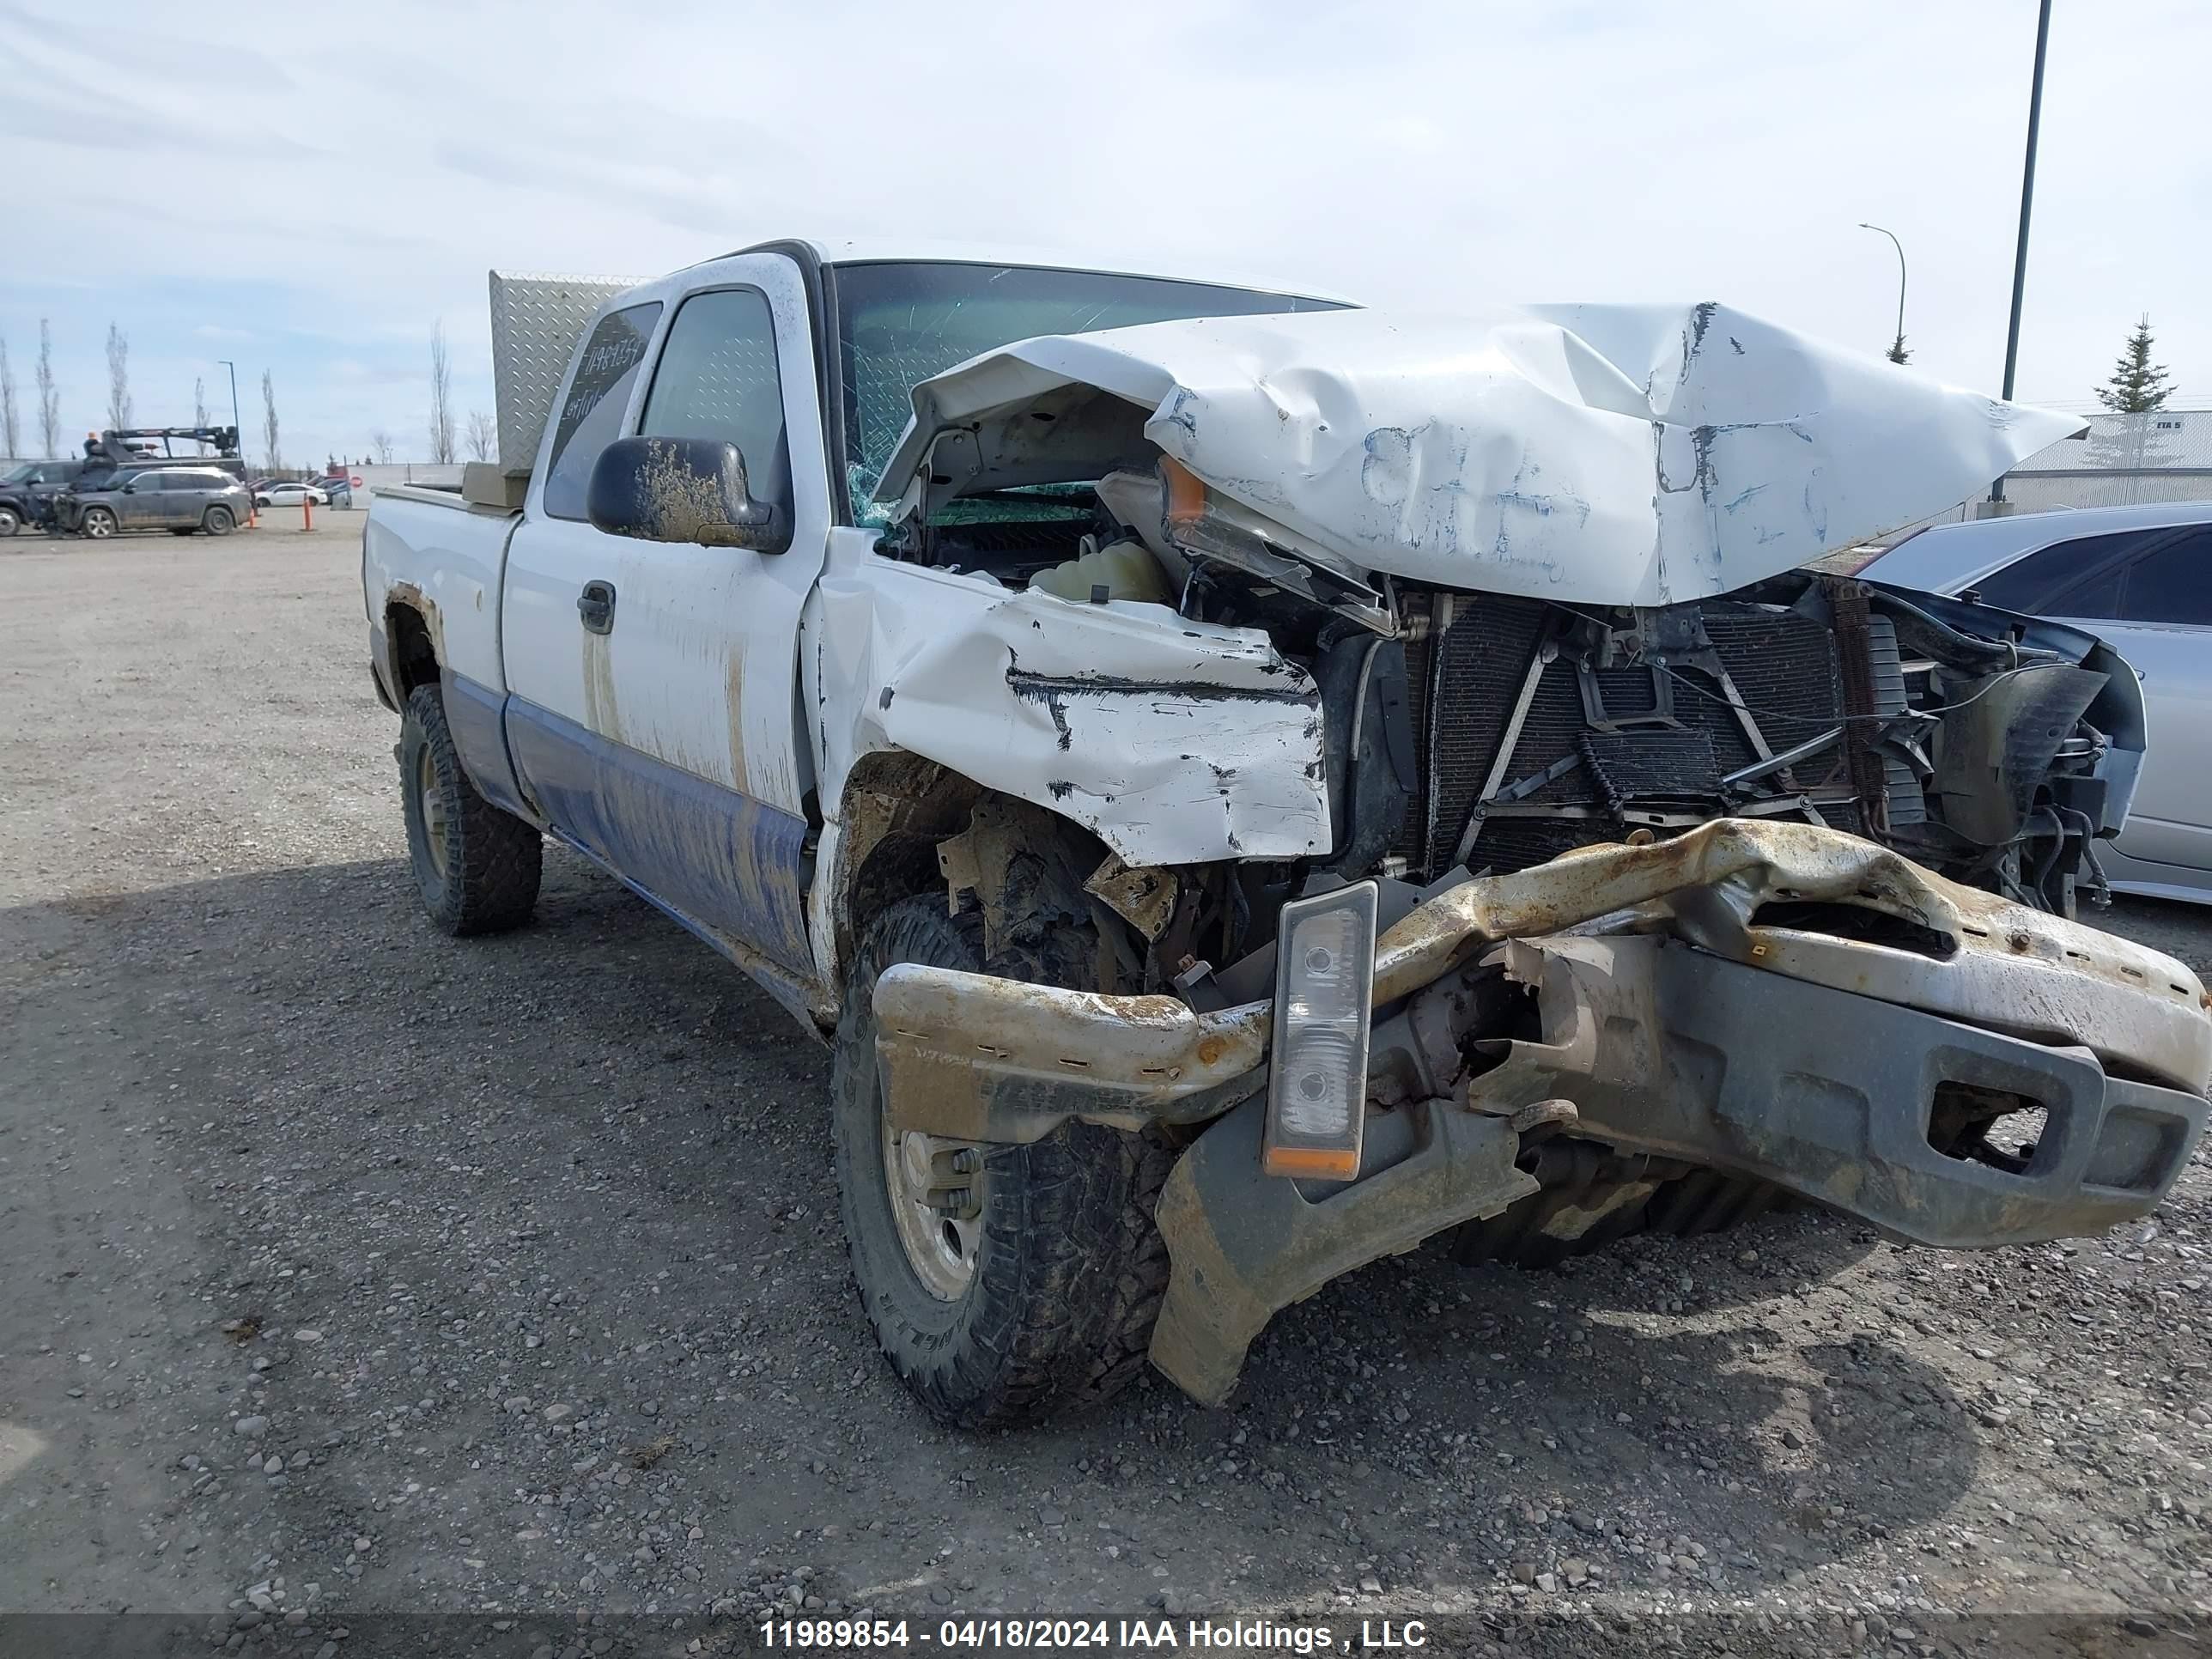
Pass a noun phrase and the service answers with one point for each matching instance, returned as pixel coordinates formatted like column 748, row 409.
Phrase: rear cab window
column 591, row 412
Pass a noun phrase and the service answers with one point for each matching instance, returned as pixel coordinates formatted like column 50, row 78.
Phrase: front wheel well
column 901, row 813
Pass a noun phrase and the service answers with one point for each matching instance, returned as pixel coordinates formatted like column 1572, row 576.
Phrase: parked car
column 27, row 490
column 1257, row 785
column 291, row 492
column 179, row 499
column 2140, row 577
column 339, row 489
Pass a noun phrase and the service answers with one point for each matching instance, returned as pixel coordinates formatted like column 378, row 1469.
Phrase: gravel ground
column 351, row 1270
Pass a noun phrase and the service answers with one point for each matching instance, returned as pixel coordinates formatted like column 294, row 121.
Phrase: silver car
column 177, row 499
column 2141, row 578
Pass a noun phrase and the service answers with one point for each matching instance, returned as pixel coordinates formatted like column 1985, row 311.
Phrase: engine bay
column 1490, row 733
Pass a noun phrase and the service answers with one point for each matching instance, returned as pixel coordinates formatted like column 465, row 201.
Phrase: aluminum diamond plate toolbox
column 535, row 322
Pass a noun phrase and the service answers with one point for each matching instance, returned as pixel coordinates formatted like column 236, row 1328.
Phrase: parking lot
column 393, row 1273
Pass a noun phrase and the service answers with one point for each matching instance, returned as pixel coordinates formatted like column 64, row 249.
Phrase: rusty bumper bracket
column 1244, row 1245
column 976, row 1058
column 972, row 1057
column 1669, row 1050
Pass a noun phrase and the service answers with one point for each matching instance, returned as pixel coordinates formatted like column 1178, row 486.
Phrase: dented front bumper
column 1674, row 1020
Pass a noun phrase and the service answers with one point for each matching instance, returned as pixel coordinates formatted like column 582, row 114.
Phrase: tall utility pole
column 2026, row 203
column 1897, row 350
column 232, row 367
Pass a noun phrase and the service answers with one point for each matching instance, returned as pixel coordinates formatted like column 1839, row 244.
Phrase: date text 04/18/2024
column 1094, row 1635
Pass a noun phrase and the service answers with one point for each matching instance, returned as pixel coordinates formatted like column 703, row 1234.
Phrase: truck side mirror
column 682, row 490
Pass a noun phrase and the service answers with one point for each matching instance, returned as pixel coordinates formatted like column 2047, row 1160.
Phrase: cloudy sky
column 307, row 190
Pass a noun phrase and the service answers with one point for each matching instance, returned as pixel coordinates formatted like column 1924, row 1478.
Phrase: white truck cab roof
column 870, row 251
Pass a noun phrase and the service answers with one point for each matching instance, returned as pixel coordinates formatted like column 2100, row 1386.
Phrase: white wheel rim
column 940, row 1231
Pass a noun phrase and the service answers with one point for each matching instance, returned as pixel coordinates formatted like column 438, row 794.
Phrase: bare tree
column 118, row 378
column 379, row 444
column 269, row 422
column 441, row 399
column 11, row 420
column 50, row 400
column 199, row 405
column 484, row 435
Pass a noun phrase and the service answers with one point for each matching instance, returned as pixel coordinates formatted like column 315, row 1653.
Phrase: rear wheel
column 99, row 523
column 477, row 868
column 1004, row 1282
column 218, row 521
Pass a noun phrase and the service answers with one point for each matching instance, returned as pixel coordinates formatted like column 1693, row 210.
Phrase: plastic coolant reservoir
column 1127, row 569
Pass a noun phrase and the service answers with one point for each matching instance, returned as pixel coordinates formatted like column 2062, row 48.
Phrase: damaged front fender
column 1173, row 741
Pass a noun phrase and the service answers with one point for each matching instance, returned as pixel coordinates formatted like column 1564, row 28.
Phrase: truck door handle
column 596, row 605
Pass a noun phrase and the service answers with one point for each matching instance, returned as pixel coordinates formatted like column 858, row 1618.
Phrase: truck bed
column 442, row 554
column 440, row 496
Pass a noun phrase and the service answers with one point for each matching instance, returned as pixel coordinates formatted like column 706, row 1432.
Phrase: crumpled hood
column 1606, row 454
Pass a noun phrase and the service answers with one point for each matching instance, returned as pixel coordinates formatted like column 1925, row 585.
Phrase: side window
column 717, row 378
column 2173, row 585
column 2039, row 581
column 591, row 417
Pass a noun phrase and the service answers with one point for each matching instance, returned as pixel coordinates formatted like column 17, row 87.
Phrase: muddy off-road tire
column 1063, row 1268
column 477, row 868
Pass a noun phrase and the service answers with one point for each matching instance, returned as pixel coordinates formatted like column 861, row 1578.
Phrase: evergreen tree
column 2137, row 386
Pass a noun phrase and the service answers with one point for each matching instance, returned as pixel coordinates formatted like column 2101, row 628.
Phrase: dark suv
column 27, row 490
column 178, row 499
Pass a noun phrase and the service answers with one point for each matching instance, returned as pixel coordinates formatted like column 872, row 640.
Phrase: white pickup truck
column 1249, row 784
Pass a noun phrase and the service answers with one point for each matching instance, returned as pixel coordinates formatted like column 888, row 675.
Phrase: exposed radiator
column 1637, row 755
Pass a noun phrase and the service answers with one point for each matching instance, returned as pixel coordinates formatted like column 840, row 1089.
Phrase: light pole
column 1897, row 349
column 235, row 426
column 2026, row 201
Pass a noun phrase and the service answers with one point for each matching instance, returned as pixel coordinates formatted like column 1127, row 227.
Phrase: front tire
column 10, row 521
column 99, row 523
column 218, row 521
column 477, row 868
column 1043, row 1294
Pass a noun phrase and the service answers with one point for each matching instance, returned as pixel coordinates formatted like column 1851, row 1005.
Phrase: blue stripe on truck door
column 719, row 859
